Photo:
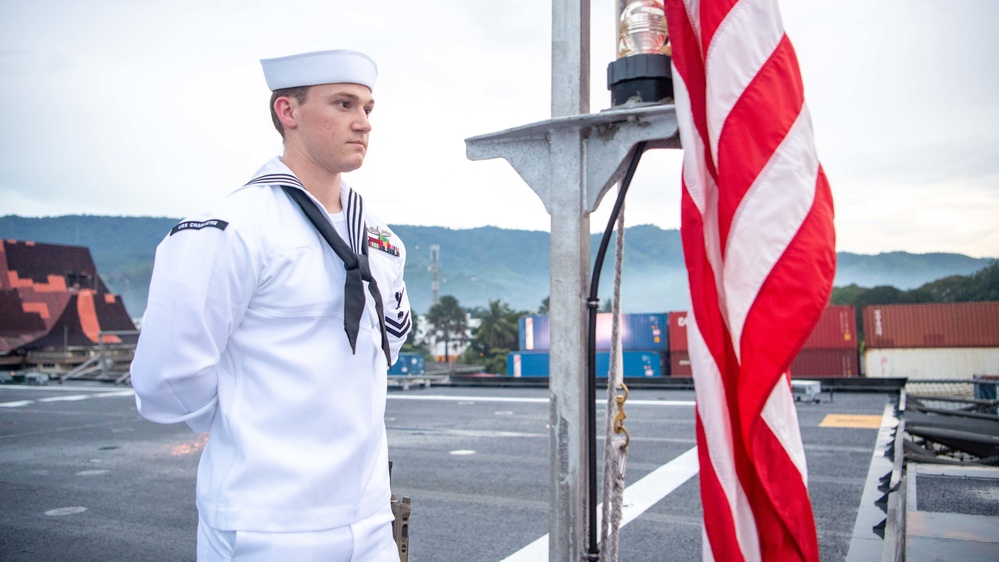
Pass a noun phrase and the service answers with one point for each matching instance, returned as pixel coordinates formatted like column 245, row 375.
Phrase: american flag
column 759, row 243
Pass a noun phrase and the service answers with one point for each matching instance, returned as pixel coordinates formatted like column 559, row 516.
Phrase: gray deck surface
column 84, row 478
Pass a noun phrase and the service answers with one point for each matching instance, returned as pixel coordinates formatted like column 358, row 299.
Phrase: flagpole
column 570, row 256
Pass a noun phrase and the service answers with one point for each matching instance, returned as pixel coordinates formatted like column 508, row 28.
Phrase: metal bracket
column 608, row 138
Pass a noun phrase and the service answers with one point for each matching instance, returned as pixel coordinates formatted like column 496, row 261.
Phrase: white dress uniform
column 243, row 336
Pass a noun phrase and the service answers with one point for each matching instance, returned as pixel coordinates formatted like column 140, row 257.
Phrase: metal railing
column 112, row 361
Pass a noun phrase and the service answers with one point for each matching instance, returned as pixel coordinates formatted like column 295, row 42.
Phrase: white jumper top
column 243, row 336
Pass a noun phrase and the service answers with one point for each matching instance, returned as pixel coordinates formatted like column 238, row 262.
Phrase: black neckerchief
column 357, row 269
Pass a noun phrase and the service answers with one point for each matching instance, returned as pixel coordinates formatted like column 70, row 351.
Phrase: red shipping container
column 677, row 330
column 679, row 364
column 809, row 363
column 836, row 329
column 814, row 363
column 940, row 325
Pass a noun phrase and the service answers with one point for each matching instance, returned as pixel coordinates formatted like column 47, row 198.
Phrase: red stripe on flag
column 785, row 523
column 788, row 305
column 765, row 112
column 704, row 295
column 718, row 523
column 689, row 63
column 712, row 15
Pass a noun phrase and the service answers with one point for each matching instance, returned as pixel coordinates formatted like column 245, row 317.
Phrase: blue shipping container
column 635, row 364
column 639, row 331
column 408, row 364
column 527, row 364
column 534, row 334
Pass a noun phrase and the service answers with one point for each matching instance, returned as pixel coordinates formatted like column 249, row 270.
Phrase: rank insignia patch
column 379, row 240
column 198, row 225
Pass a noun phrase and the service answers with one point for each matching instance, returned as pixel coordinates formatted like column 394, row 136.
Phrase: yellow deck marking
column 851, row 420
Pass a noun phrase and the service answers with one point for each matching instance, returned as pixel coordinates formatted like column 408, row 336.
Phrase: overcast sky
column 158, row 108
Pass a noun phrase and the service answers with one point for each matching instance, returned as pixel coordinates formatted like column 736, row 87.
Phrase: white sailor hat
column 320, row 67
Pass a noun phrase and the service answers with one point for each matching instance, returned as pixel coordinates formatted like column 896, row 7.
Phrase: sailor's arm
column 202, row 281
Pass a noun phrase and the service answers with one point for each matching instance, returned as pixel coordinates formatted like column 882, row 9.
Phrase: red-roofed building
column 52, row 302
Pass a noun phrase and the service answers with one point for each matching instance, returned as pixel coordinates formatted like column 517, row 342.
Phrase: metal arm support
column 608, row 139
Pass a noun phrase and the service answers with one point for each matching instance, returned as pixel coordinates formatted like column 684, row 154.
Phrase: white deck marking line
column 70, row 398
column 638, row 497
column 59, row 388
column 128, row 392
column 531, row 400
column 102, row 393
column 16, row 404
column 468, row 398
column 634, row 402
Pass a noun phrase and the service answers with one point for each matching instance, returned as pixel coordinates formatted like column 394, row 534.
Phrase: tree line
column 982, row 285
column 497, row 333
column 495, row 336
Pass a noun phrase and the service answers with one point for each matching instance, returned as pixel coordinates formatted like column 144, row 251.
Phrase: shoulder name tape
column 198, row 225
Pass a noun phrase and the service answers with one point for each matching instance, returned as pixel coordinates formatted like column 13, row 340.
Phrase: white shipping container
column 931, row 363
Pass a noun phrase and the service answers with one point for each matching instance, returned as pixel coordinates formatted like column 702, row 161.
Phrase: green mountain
column 902, row 270
column 476, row 265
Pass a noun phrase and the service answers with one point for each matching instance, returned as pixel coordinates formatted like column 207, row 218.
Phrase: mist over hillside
column 476, row 265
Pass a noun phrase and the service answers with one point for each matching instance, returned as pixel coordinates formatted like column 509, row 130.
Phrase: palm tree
column 496, row 336
column 448, row 321
column 499, row 326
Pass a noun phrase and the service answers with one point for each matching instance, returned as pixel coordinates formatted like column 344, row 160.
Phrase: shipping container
column 808, row 363
column 635, row 364
column 931, row 363
column 527, row 364
column 408, row 364
column 639, row 331
column 534, row 333
column 941, row 325
column 678, row 330
column 836, row 329
column 679, row 362
column 813, row 363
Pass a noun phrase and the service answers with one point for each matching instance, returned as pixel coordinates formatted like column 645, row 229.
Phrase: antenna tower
column 435, row 266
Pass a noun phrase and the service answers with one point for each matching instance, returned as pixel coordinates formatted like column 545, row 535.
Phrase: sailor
column 276, row 338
